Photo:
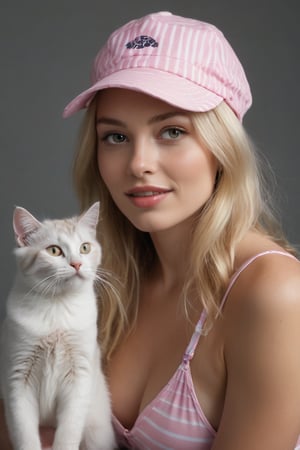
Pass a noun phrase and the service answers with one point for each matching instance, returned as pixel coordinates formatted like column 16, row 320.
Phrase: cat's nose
column 76, row 265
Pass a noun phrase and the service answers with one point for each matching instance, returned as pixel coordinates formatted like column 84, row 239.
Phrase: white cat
column 51, row 370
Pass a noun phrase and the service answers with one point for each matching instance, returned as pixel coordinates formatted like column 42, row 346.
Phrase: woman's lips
column 147, row 196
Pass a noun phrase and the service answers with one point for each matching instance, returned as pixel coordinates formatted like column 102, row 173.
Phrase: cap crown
column 188, row 48
column 184, row 62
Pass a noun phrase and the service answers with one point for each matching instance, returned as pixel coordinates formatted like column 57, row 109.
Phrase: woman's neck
column 172, row 248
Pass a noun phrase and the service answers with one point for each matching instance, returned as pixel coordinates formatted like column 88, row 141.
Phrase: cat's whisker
column 51, row 288
column 49, row 285
column 105, row 274
column 35, row 289
column 102, row 279
column 48, row 289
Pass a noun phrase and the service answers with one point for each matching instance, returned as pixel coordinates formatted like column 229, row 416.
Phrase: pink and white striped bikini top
column 174, row 420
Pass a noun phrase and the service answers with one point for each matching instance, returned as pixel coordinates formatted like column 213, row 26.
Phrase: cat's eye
column 54, row 250
column 85, row 248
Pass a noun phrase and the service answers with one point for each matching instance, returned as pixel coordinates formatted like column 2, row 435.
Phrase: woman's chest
column 144, row 363
column 148, row 358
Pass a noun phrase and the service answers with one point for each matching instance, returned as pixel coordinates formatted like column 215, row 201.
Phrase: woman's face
column 151, row 160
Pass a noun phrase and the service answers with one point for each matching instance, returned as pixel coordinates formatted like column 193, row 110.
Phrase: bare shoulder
column 261, row 325
column 269, row 285
column 264, row 305
column 265, row 298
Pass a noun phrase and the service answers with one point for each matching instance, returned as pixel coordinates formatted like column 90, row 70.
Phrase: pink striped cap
column 182, row 61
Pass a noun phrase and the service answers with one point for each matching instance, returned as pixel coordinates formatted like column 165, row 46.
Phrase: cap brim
column 165, row 86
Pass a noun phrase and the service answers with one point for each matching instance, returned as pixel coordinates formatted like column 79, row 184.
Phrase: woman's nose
column 143, row 159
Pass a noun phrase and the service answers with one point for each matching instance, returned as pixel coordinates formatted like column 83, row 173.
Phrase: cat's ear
column 91, row 216
column 24, row 225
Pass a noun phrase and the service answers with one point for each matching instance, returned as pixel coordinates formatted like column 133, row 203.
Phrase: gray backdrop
column 47, row 47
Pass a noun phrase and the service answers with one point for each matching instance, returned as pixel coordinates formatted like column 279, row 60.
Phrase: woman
column 200, row 328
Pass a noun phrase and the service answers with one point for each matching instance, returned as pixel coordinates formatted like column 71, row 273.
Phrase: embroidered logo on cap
column 142, row 42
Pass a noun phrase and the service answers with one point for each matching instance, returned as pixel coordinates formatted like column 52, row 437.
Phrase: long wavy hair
column 239, row 203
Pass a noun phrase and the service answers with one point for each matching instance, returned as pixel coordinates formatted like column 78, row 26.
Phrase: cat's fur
column 51, row 370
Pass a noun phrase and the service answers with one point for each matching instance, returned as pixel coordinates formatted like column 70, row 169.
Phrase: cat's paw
column 29, row 446
column 98, row 438
column 65, row 446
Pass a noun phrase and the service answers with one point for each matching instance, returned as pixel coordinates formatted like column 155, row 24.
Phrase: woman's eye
column 115, row 138
column 85, row 248
column 54, row 250
column 172, row 133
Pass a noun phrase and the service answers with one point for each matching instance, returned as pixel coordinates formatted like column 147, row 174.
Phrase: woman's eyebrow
column 110, row 121
column 168, row 115
column 157, row 118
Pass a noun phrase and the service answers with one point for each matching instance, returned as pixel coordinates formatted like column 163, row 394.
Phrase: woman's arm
column 262, row 353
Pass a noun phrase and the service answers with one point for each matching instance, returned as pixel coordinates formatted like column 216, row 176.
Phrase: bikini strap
column 245, row 265
column 189, row 353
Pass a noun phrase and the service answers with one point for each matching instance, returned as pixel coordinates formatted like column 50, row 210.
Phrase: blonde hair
column 237, row 205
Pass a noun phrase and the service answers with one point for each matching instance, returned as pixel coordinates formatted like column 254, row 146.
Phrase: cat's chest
column 58, row 357
column 55, row 345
